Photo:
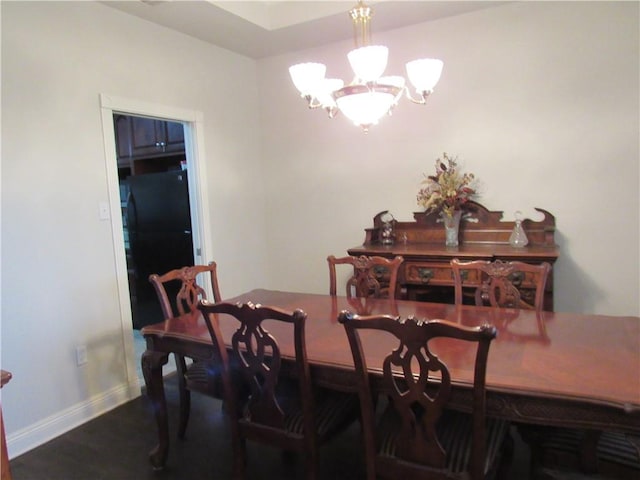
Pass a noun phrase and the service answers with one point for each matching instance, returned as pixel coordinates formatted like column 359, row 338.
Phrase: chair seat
column 204, row 377
column 455, row 433
column 613, row 448
column 334, row 410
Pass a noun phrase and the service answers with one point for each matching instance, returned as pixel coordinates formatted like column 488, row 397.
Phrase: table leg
column 152, row 363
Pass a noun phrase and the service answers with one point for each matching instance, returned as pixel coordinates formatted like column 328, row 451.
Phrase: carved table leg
column 152, row 363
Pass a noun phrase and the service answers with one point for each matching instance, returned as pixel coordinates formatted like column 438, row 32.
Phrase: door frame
column 193, row 123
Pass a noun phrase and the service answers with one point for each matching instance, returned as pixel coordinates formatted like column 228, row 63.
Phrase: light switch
column 104, row 210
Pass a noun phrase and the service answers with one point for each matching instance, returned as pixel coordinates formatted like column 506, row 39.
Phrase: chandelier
column 370, row 95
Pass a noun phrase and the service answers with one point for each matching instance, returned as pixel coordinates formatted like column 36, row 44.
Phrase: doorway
column 194, row 173
column 156, row 214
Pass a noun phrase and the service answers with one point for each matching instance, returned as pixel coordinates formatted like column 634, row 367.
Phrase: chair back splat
column 416, row 436
column 501, row 284
column 189, row 291
column 283, row 409
column 372, row 276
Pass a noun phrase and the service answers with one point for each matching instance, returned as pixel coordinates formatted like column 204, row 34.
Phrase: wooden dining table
column 544, row 368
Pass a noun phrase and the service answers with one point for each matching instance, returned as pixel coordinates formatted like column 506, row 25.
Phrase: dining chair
column 582, row 451
column 499, row 283
column 198, row 376
column 415, row 435
column 372, row 276
column 283, row 409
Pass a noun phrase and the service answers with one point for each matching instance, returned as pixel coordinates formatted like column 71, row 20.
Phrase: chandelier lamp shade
column 370, row 95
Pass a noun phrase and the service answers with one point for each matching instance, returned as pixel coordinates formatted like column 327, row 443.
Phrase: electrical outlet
column 81, row 355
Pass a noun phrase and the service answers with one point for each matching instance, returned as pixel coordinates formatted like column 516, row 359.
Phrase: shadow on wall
column 572, row 281
column 104, row 363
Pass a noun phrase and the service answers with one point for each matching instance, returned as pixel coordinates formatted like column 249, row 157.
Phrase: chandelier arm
column 420, row 101
column 332, row 111
column 312, row 102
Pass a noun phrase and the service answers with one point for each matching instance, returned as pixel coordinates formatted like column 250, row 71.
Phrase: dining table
column 544, row 368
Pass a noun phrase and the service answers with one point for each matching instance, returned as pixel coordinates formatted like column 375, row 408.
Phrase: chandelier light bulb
column 365, row 109
column 369, row 63
column 307, row 77
column 424, row 73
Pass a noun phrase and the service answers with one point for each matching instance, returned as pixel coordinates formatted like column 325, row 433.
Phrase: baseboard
column 41, row 432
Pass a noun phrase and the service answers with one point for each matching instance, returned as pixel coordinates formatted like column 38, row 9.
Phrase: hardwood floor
column 115, row 446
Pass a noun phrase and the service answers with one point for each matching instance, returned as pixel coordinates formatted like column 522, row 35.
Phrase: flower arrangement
column 448, row 190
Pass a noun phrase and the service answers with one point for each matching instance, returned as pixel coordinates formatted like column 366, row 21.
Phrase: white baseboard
column 41, row 432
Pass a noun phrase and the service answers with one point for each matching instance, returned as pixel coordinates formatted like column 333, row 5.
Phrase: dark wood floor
column 115, row 446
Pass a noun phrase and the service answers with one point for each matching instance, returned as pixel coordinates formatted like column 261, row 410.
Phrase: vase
column 451, row 228
column 518, row 238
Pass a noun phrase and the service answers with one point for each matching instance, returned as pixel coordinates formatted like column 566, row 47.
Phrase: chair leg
column 239, row 458
column 288, row 457
column 506, row 460
column 185, row 396
column 531, row 437
column 311, row 465
column 589, row 451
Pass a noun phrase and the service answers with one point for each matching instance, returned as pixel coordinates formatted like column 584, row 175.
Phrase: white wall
column 59, row 277
column 538, row 99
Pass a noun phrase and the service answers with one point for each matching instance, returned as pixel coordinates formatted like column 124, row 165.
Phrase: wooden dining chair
column 415, row 436
column 283, row 411
column 585, row 452
column 372, row 276
column 185, row 293
column 498, row 283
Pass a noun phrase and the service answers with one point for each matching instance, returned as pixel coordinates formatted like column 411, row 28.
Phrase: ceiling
column 259, row 29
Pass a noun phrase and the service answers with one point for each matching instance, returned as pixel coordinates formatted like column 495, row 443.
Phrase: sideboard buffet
column 425, row 273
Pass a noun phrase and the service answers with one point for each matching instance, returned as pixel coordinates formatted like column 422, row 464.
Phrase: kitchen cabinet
column 150, row 137
column 122, row 129
column 143, row 138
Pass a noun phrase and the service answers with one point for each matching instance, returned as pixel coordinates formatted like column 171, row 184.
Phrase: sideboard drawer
column 434, row 273
column 428, row 273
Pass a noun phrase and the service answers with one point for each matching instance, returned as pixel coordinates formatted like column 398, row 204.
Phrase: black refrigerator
column 158, row 220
